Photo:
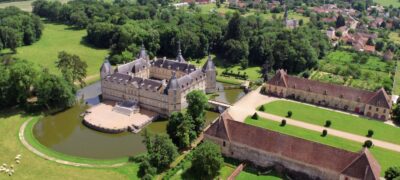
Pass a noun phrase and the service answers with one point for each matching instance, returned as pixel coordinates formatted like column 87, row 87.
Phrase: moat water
column 65, row 133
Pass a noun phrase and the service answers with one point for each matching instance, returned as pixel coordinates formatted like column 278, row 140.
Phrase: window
column 377, row 109
column 369, row 107
column 224, row 144
column 384, row 110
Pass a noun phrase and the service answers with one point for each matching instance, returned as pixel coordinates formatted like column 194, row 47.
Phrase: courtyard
column 102, row 117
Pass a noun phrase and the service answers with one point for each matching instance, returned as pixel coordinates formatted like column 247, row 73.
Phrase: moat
column 65, row 133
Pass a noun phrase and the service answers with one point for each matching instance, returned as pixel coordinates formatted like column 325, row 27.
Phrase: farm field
column 341, row 67
column 56, row 38
column 340, row 121
column 34, row 167
column 23, row 5
column 395, row 3
column 386, row 158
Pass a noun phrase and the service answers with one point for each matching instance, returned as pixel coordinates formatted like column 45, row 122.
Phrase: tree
column 370, row 133
column 179, row 130
column 340, row 21
column 145, row 168
column 23, row 78
column 54, row 92
column 72, row 67
column 368, row 144
column 392, row 173
column 396, row 113
column 289, row 114
column 79, row 19
column 328, row 123
column 262, row 108
column 379, row 45
column 161, row 151
column 197, row 103
column 283, row 122
column 207, row 160
column 255, row 116
column 324, row 133
column 370, row 42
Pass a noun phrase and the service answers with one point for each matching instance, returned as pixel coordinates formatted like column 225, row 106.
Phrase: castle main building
column 159, row 85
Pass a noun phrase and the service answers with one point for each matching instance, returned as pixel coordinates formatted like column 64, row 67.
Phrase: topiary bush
column 328, row 123
column 261, row 108
column 255, row 116
column 289, row 114
column 370, row 133
column 368, row 144
column 324, row 133
column 283, row 123
column 392, row 173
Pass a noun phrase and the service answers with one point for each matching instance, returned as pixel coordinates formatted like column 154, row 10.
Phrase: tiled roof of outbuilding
column 297, row 149
column 379, row 98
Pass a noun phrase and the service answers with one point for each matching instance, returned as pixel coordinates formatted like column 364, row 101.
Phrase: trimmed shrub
column 262, row 108
column 392, row 173
column 289, row 114
column 370, row 133
column 255, row 116
column 283, row 123
column 328, row 123
column 368, row 144
column 324, row 133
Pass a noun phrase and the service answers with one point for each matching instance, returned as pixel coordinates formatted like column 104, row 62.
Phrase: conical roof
column 209, row 65
column 179, row 57
column 142, row 53
column 173, row 83
column 106, row 66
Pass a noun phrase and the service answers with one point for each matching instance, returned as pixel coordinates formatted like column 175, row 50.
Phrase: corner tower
column 105, row 69
column 210, row 71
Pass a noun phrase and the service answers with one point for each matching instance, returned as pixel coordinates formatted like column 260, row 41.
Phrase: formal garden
column 386, row 158
column 339, row 120
column 355, row 70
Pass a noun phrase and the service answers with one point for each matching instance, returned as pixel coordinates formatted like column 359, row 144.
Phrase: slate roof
column 378, row 98
column 136, row 81
column 174, row 65
column 307, row 152
column 209, row 65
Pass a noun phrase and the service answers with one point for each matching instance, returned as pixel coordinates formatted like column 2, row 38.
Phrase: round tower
column 211, row 73
column 105, row 69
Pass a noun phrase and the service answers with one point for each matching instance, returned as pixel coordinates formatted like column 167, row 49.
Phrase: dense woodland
column 18, row 28
column 123, row 26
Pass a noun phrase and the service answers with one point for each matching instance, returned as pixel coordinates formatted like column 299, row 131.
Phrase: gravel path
column 247, row 105
column 44, row 156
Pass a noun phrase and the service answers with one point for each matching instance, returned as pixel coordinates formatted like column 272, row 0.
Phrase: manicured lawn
column 340, row 121
column 334, row 69
column 386, row 158
column 248, row 173
column 395, row 3
column 58, row 38
column 34, row 167
column 253, row 72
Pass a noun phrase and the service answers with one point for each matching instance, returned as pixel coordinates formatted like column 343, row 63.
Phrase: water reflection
column 65, row 133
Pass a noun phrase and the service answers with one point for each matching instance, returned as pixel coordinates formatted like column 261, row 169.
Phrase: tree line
column 123, row 26
column 18, row 28
column 33, row 88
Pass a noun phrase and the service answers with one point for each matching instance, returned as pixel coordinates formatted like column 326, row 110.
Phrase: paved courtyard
column 247, row 105
column 102, row 117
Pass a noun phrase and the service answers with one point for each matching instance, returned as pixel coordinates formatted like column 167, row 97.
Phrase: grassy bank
column 340, row 121
column 57, row 38
column 386, row 158
column 35, row 167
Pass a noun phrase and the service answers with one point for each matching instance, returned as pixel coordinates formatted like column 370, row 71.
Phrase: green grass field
column 23, row 5
column 340, row 121
column 58, row 38
column 248, row 173
column 373, row 74
column 395, row 3
column 34, row 167
column 254, row 72
column 386, row 158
